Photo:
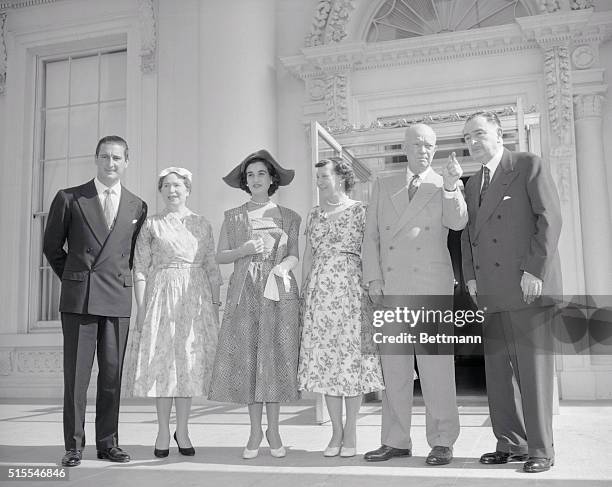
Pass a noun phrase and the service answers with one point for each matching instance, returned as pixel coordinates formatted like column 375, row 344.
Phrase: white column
column 237, row 104
column 594, row 198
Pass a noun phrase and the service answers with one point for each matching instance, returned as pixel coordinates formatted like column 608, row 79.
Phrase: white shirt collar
column 494, row 162
column 101, row 187
column 422, row 176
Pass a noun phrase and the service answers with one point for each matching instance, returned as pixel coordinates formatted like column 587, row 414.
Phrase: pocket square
column 134, row 221
column 507, row 198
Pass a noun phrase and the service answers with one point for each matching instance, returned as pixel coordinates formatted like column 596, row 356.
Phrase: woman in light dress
column 177, row 285
column 337, row 358
column 256, row 359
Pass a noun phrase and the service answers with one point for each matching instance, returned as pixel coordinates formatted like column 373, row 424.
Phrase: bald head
column 419, row 146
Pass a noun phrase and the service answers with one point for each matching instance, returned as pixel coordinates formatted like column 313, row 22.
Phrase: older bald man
column 405, row 254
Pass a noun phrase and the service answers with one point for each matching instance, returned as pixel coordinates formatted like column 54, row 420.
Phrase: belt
column 179, row 265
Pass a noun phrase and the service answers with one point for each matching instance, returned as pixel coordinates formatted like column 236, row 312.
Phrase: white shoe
column 278, row 452
column 347, row 452
column 248, row 454
column 331, row 451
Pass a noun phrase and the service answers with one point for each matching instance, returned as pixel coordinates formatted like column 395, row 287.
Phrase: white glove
column 281, row 270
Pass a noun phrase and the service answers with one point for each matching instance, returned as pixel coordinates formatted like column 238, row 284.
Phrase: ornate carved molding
column 585, row 56
column 316, row 88
column 548, row 6
column 148, row 36
column 329, row 22
column 586, row 106
column 563, row 176
column 336, row 99
column 557, row 75
column 581, row 4
column 5, row 363
column 395, row 122
column 338, row 18
column 38, row 362
column 3, row 58
column 23, row 3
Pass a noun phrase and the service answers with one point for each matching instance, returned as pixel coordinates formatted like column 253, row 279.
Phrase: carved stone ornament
column 336, row 100
column 583, row 57
column 38, row 362
column 581, row 4
column 329, row 22
column 586, row 106
column 563, row 175
column 5, row 363
column 558, row 90
column 148, row 36
column 548, row 6
column 394, row 122
column 316, row 89
column 3, row 59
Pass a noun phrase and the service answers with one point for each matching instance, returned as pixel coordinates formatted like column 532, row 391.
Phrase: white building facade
column 202, row 83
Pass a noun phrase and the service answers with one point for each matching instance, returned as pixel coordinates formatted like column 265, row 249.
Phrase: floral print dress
column 332, row 360
column 176, row 348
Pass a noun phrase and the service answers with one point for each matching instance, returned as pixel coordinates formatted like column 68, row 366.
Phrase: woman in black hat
column 257, row 354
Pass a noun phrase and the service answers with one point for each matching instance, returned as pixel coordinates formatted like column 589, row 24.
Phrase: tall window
column 80, row 98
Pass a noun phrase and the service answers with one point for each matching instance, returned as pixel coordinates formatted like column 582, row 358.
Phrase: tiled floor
column 31, row 432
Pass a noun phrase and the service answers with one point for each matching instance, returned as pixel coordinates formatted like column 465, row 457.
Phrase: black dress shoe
column 189, row 452
column 72, row 458
column 114, row 454
column 385, row 453
column 439, row 455
column 538, row 464
column 499, row 457
column 160, row 453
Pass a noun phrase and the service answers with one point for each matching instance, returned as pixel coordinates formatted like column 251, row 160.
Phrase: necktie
column 486, row 180
column 413, row 186
column 109, row 207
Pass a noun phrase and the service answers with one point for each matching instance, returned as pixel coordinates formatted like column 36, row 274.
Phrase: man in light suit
column 512, row 268
column 405, row 254
column 99, row 221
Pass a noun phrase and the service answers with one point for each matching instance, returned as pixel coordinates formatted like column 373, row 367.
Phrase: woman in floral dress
column 332, row 358
column 177, row 286
column 256, row 360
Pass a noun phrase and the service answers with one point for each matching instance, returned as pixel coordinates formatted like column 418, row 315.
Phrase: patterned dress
column 256, row 360
column 175, row 352
column 333, row 359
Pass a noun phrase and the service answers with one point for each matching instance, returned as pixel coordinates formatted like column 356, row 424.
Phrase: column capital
column 588, row 106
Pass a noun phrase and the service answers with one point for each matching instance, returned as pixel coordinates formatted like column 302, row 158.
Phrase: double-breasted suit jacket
column 94, row 264
column 96, row 268
column 405, row 243
column 405, row 246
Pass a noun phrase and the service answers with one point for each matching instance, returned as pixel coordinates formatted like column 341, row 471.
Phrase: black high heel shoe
column 188, row 452
column 160, row 453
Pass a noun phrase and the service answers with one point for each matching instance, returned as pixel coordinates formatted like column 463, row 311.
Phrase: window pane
column 84, row 80
column 50, row 293
column 113, row 76
column 112, row 118
column 83, row 130
column 56, row 89
column 81, row 169
column 55, row 178
column 56, row 132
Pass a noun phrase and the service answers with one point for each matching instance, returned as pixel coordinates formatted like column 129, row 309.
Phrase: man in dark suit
column 512, row 268
column 99, row 221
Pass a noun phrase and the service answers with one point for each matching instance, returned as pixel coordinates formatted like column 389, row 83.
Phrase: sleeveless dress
column 174, row 354
column 336, row 355
column 256, row 359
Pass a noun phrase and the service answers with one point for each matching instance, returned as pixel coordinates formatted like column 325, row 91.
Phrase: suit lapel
column 92, row 211
column 398, row 195
column 497, row 189
column 429, row 186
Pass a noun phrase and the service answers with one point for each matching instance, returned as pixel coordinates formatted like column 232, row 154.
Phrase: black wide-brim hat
column 285, row 175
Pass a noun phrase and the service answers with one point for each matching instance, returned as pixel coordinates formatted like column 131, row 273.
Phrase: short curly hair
column 341, row 168
column 271, row 171
column 186, row 182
